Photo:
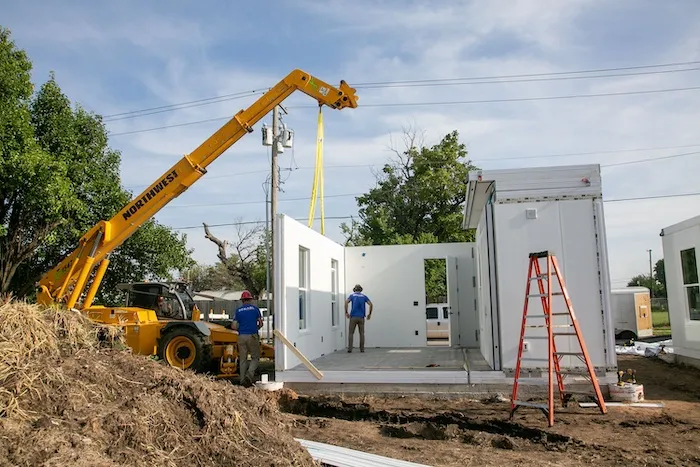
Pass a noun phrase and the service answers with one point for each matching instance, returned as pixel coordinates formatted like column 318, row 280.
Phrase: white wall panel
column 393, row 278
column 319, row 337
column 567, row 229
column 686, row 332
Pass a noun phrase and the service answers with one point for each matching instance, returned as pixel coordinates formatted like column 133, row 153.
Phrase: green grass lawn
column 661, row 322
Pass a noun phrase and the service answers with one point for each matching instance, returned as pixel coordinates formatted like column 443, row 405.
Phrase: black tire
column 177, row 345
column 627, row 336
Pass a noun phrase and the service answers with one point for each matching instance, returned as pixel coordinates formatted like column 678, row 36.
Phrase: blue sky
column 115, row 57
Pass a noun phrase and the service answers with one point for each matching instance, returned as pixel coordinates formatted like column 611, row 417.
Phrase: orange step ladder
column 568, row 330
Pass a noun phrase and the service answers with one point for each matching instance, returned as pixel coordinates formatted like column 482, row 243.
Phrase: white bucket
column 628, row 392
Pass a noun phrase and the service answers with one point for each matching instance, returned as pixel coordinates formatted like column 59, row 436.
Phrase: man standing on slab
column 357, row 315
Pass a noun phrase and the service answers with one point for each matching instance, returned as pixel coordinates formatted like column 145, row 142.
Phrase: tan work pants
column 248, row 344
column 360, row 324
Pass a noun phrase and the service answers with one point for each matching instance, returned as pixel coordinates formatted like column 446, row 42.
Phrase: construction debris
column 337, row 456
column 72, row 394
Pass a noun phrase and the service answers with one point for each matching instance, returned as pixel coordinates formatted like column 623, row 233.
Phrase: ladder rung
column 533, row 359
column 544, row 325
column 541, row 276
column 535, row 337
column 561, row 314
column 531, row 404
column 564, row 334
column 577, row 354
column 580, row 372
column 536, row 316
column 540, row 295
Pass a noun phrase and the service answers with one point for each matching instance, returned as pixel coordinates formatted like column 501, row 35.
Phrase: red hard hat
column 246, row 295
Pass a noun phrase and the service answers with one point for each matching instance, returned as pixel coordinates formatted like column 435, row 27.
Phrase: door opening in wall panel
column 437, row 309
column 334, row 293
column 689, row 267
column 303, row 287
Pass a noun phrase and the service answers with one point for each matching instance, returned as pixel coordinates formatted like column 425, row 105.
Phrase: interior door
column 453, row 299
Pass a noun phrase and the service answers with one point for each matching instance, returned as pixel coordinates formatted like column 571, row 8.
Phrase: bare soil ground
column 463, row 432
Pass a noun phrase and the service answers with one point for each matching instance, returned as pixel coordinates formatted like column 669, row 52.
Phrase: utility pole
column 651, row 276
column 267, row 258
column 278, row 138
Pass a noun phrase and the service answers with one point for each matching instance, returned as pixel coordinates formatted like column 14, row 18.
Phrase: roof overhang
column 478, row 192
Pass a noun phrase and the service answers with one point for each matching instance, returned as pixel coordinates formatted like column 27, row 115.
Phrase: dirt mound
column 71, row 394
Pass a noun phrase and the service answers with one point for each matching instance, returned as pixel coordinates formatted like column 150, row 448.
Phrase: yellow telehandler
column 181, row 338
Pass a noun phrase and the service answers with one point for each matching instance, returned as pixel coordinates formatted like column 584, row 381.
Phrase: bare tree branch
column 240, row 265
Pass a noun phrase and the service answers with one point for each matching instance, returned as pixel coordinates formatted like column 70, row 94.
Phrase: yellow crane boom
column 67, row 281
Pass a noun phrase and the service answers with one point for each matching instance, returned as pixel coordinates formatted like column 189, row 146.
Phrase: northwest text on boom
column 149, row 195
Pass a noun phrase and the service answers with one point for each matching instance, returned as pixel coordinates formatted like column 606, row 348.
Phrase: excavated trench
column 450, row 425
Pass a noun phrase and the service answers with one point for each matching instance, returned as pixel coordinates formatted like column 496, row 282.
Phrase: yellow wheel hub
column 180, row 352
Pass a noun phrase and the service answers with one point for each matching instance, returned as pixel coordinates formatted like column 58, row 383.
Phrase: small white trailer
column 632, row 312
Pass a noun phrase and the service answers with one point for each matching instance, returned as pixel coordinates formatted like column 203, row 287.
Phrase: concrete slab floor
column 387, row 359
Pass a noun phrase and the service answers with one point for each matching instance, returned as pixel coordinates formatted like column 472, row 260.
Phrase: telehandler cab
column 181, row 338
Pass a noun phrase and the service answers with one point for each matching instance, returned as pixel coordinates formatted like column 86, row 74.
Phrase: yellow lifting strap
column 317, row 188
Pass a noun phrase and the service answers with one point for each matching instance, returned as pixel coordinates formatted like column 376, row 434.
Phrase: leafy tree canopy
column 418, row 197
column 58, row 178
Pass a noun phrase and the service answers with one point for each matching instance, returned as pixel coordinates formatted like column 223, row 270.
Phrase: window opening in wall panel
column 334, row 293
column 689, row 268
column 303, row 287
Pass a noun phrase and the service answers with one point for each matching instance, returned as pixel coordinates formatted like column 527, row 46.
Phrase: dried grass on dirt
column 69, row 398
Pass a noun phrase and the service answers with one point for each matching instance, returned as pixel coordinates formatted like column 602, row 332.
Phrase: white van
column 437, row 317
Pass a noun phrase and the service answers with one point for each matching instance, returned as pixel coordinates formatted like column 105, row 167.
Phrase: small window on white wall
column 689, row 268
column 334, row 292
column 303, row 286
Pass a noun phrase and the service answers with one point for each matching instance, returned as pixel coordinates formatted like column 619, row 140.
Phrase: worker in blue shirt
column 247, row 321
column 357, row 315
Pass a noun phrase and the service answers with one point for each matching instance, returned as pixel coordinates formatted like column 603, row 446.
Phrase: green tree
column 58, row 178
column 418, row 197
column 656, row 283
column 660, row 277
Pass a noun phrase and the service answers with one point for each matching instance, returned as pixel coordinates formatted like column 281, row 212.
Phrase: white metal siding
column 566, row 228
column 686, row 333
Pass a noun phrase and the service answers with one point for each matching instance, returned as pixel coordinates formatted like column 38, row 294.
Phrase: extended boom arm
column 68, row 279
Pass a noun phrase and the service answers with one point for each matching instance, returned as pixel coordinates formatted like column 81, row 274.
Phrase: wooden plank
column 314, row 371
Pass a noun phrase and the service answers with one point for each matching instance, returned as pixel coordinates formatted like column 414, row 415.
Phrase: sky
column 119, row 57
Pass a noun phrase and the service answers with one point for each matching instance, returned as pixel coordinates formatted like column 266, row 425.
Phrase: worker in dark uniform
column 248, row 320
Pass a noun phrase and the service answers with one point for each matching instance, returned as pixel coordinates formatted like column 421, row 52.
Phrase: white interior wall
column 319, row 337
column 392, row 276
column 567, row 229
column 686, row 333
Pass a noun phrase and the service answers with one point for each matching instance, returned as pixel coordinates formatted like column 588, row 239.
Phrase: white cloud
column 143, row 56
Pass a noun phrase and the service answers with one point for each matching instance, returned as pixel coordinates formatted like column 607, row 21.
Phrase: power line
column 651, row 159
column 345, row 195
column 197, row 101
column 525, row 80
column 239, row 203
column 534, row 75
column 618, row 200
column 137, row 114
column 436, row 103
column 495, row 159
column 493, row 79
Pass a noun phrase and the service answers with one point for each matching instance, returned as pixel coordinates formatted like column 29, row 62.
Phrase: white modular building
column 680, row 243
column 513, row 213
